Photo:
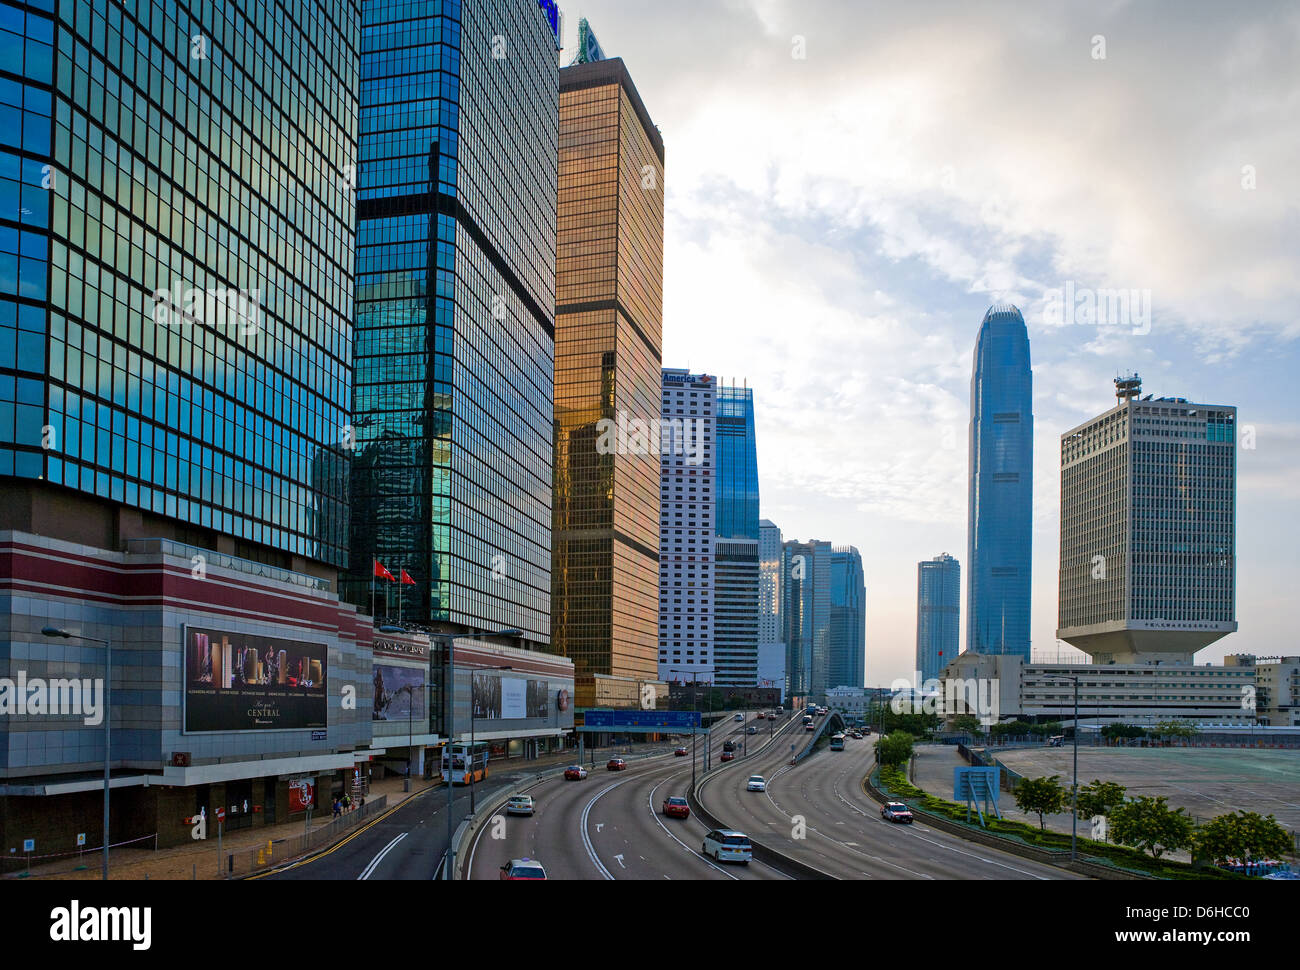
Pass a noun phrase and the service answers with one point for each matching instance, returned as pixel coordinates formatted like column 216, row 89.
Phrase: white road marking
column 366, row 872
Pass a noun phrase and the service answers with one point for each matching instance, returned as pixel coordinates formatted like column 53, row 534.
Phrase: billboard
column 399, row 693
column 649, row 720
column 247, row 682
column 513, row 698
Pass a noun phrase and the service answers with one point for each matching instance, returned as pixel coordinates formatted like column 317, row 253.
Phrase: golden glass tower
column 608, row 328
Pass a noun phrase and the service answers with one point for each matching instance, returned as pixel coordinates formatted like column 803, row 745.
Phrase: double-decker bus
column 837, row 742
column 456, row 767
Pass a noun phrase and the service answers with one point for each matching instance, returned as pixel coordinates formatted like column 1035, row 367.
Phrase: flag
column 383, row 573
column 406, row 578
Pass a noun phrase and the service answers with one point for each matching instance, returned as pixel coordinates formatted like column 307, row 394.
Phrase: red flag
column 382, row 573
column 406, row 578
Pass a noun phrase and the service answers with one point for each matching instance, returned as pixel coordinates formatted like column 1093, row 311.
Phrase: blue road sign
column 666, row 720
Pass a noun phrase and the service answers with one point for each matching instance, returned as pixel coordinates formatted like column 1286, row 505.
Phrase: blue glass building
column 1000, row 536
column 938, row 614
column 847, row 639
column 737, row 489
column 455, row 311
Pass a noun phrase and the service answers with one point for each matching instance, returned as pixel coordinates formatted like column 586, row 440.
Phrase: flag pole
column 399, row 598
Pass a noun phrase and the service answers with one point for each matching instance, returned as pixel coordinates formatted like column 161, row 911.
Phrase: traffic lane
column 627, row 832
column 830, row 796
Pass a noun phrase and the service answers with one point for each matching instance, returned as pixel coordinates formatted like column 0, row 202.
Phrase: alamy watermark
column 955, row 695
column 219, row 307
column 653, row 436
column 57, row 697
column 1080, row 306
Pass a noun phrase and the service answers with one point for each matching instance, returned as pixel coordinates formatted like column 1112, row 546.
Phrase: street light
column 450, row 714
column 1074, row 799
column 694, row 707
column 50, row 631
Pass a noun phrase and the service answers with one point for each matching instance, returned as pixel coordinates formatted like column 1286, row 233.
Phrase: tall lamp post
column 50, row 631
column 449, row 639
column 696, row 708
column 1074, row 799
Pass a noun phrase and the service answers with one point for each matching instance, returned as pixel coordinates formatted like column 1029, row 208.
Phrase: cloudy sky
column 850, row 185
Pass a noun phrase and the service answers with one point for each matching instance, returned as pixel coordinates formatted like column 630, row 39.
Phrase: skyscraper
column 938, row 614
column 771, row 629
column 176, row 278
column 805, row 609
column 847, row 638
column 735, row 621
column 609, row 289
column 687, row 500
column 999, row 549
column 455, row 309
column 1148, row 529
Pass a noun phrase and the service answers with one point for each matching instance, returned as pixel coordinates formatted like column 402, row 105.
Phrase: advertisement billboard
column 511, row 698
column 399, row 693
column 246, row 682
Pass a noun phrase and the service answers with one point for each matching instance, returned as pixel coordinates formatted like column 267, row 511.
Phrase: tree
column 1150, row 825
column 1113, row 732
column 1175, row 729
column 1099, row 798
column 1242, row 836
column 1042, row 795
column 894, row 749
column 967, row 724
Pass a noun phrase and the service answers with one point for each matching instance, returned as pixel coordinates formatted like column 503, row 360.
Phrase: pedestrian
column 338, row 808
column 347, row 801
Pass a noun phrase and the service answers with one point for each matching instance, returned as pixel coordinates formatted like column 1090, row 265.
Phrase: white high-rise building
column 771, row 641
column 1148, row 537
column 687, row 502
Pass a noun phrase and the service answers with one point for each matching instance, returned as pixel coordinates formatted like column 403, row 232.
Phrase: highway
column 844, row 834
column 610, row 826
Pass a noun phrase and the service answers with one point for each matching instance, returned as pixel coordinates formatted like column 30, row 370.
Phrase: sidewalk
column 201, row 860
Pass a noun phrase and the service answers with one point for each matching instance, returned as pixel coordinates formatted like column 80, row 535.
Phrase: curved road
column 843, row 833
column 610, row 826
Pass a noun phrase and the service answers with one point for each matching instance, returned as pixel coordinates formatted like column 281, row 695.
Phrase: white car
column 739, row 717
column 756, row 783
column 520, row 805
column 727, row 845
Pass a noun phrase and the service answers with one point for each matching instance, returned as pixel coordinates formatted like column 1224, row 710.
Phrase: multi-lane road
column 610, row 826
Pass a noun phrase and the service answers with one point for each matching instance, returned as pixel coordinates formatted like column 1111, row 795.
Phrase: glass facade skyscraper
column 737, row 464
column 847, row 637
column 608, row 326
column 938, row 614
column 805, row 613
column 176, row 271
column 455, row 309
column 1000, row 538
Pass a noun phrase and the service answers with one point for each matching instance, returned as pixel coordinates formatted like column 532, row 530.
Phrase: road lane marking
column 366, row 872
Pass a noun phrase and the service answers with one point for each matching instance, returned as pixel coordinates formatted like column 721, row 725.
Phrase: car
column 675, row 806
column 728, row 745
column 1057, row 741
column 616, row 764
column 756, row 783
column 896, row 812
column 728, row 845
column 751, row 730
column 810, row 727
column 727, row 756
column 523, row 869
column 520, row 805
column 681, row 752
column 575, row 773
column 739, row 717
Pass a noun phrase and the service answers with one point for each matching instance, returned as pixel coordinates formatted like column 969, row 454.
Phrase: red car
column 616, row 764
column 681, row 752
column 896, row 812
column 727, row 755
column 575, row 773
column 676, row 807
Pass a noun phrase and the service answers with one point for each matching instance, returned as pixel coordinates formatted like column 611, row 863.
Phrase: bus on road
column 456, row 762
column 837, row 742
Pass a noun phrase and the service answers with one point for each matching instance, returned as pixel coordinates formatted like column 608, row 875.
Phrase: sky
column 850, row 185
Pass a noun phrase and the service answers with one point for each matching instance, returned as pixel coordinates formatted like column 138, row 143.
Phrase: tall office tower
column 1148, row 529
column 735, row 621
column 771, row 630
column 847, row 641
column 1000, row 537
column 608, row 324
column 687, row 500
column 805, row 609
column 938, row 614
column 175, row 333
column 455, row 332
